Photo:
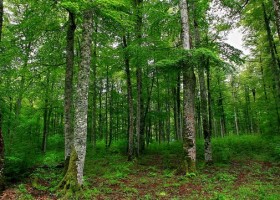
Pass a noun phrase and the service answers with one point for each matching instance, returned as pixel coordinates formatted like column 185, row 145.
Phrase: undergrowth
column 245, row 168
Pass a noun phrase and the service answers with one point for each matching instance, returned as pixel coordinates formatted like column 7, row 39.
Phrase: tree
column 1, row 115
column 68, row 91
column 189, row 80
column 130, row 123
column 73, row 178
column 276, row 6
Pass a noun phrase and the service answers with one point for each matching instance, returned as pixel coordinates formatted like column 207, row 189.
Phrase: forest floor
column 155, row 175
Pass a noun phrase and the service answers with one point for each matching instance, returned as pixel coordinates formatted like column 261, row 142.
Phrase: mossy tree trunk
column 73, row 178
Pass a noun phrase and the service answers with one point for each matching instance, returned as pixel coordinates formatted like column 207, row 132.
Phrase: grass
column 246, row 167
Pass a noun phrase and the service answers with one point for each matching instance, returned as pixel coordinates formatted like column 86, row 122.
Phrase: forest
column 139, row 99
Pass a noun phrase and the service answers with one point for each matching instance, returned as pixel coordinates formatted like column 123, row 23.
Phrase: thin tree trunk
column 179, row 116
column 111, row 116
column 68, row 91
column 175, row 113
column 168, row 125
column 235, row 108
column 100, row 110
column 189, row 81
column 106, row 107
column 205, row 119
column 45, row 116
column 221, row 110
column 130, row 102
column 94, row 91
column 210, row 120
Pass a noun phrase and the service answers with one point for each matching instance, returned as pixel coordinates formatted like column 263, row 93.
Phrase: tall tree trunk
column 178, row 99
column 73, row 178
column 130, row 101
column 175, row 113
column 189, row 81
column 168, row 124
column 248, row 110
column 210, row 120
column 140, row 106
column 81, row 102
column 235, row 107
column 203, row 94
column 205, row 119
column 2, row 183
column 46, row 115
column 111, row 116
column 94, row 91
column 106, row 106
column 100, row 110
column 68, row 91
column 221, row 110
column 1, row 18
column 276, row 5
column 274, row 70
column 149, row 92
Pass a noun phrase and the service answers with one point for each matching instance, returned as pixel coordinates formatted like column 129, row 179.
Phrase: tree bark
column 274, row 70
column 205, row 119
column 1, row 18
column 276, row 6
column 140, row 106
column 68, row 91
column 130, row 101
column 2, row 184
column 78, row 151
column 94, row 91
column 46, row 115
column 178, row 103
column 235, row 107
column 209, row 99
column 221, row 110
column 189, row 81
column 106, row 107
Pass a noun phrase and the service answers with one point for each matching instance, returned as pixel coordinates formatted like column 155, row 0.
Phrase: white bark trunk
column 81, row 103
